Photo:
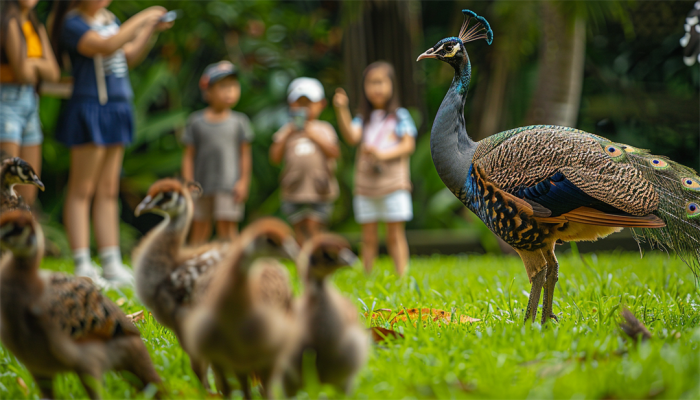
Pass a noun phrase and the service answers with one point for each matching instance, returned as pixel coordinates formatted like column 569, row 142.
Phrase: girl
column 26, row 59
column 386, row 135
column 97, row 121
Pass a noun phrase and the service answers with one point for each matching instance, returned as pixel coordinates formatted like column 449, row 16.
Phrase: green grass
column 585, row 355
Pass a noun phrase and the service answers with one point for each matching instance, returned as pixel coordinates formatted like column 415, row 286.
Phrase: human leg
column 370, row 245
column 200, row 232
column 85, row 164
column 226, row 230
column 227, row 214
column 105, row 216
column 397, row 245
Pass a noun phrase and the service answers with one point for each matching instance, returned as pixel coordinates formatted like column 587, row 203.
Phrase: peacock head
column 451, row 50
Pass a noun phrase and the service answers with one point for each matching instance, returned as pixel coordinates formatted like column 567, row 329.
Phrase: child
column 218, row 155
column 309, row 148
column 386, row 135
column 97, row 122
column 26, row 58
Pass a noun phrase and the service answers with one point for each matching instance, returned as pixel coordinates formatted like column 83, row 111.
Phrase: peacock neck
column 450, row 145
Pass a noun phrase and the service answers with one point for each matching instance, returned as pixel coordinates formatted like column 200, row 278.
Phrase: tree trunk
column 560, row 77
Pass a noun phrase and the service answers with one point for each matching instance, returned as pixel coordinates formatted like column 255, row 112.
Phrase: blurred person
column 218, row 155
column 385, row 133
column 309, row 148
column 97, row 122
column 26, row 59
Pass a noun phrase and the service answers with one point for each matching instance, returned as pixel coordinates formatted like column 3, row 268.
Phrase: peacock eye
column 448, row 48
column 691, row 184
column 658, row 163
column 693, row 210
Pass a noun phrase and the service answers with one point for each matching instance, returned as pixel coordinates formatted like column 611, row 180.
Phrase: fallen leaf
column 434, row 314
column 380, row 334
column 120, row 301
column 22, row 385
column 137, row 316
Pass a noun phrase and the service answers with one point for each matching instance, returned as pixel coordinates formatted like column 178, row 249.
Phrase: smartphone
column 170, row 16
column 298, row 117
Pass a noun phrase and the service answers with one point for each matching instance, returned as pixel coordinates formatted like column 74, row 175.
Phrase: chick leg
column 45, row 384
column 222, row 385
column 537, row 282
column 552, row 278
column 92, row 384
column 245, row 386
column 200, row 370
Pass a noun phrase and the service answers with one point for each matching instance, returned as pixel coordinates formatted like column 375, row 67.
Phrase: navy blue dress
column 84, row 119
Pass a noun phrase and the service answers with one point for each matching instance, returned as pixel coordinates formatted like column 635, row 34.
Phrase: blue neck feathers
column 450, row 146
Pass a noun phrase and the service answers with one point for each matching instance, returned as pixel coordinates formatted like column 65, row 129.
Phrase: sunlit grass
column 585, row 355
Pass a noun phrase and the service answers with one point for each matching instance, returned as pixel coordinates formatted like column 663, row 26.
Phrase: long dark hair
column 9, row 10
column 393, row 104
column 58, row 18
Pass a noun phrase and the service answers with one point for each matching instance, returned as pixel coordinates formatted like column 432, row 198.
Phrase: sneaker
column 90, row 271
column 118, row 274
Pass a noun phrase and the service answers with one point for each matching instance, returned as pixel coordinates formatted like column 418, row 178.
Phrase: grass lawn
column 585, row 355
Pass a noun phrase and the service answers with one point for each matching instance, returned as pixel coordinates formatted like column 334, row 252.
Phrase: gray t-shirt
column 217, row 149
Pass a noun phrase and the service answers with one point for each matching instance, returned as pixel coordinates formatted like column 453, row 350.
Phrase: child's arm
column 188, row 163
column 405, row 147
column 279, row 142
column 329, row 148
column 351, row 134
column 136, row 50
column 240, row 191
column 46, row 66
column 24, row 72
column 91, row 43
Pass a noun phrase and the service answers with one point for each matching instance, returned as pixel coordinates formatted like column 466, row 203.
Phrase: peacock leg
column 537, row 282
column 552, row 278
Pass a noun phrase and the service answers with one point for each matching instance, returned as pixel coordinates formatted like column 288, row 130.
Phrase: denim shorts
column 19, row 115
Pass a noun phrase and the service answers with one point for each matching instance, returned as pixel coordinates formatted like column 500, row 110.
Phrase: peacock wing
column 271, row 283
column 563, row 169
column 78, row 308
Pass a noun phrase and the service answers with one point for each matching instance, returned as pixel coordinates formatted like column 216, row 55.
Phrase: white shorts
column 394, row 207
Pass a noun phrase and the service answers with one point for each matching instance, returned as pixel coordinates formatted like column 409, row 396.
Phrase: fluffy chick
column 15, row 171
column 330, row 325
column 165, row 269
column 244, row 323
column 56, row 323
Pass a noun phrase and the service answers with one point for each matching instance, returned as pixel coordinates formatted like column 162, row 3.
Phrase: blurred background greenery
column 609, row 67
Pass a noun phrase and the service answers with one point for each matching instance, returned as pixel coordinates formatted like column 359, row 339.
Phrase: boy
column 218, row 155
column 309, row 148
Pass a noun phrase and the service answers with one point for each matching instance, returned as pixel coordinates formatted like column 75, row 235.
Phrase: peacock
column 539, row 186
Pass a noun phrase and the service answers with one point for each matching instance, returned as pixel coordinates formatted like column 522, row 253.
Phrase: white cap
column 310, row 88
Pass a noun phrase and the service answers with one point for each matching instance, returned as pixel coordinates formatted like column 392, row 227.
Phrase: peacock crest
column 480, row 30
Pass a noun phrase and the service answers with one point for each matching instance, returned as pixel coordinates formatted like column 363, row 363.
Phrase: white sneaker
column 90, row 270
column 118, row 274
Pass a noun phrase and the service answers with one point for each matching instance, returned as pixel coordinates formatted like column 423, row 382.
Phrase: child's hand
column 370, row 151
column 240, row 191
column 340, row 99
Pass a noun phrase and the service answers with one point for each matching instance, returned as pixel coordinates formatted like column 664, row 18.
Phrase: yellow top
column 34, row 50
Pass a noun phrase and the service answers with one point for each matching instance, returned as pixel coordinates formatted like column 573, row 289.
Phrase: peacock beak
column 428, row 54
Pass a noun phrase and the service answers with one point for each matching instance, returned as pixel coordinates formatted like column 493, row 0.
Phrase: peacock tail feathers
column 678, row 188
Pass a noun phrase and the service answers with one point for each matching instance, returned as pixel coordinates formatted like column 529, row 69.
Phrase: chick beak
column 347, row 257
column 38, row 183
column 428, row 54
column 144, row 206
column 291, row 248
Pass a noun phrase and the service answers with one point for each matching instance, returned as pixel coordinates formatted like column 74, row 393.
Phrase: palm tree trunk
column 560, row 77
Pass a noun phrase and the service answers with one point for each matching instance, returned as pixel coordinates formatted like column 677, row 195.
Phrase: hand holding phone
column 170, row 16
